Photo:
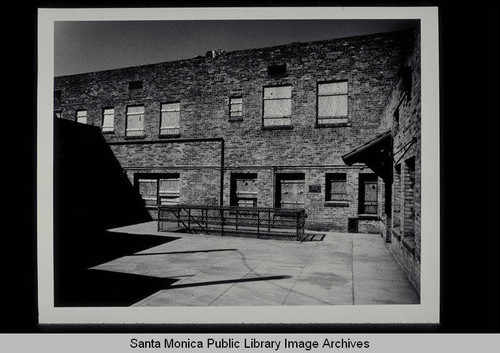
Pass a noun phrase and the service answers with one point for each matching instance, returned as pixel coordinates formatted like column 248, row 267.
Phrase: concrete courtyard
column 341, row 269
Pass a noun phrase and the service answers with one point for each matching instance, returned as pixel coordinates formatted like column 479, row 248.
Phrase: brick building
column 395, row 155
column 264, row 127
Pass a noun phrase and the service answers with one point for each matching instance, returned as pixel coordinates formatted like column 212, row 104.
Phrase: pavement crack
column 300, row 274
column 251, row 270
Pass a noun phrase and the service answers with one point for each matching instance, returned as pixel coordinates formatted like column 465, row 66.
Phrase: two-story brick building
column 261, row 127
column 395, row 155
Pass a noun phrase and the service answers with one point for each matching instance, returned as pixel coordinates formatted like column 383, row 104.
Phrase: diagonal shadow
column 183, row 252
column 239, row 280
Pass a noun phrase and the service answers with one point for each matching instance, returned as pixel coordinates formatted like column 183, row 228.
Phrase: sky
column 87, row 46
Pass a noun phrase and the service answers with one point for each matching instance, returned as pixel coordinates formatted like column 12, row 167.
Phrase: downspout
column 221, row 201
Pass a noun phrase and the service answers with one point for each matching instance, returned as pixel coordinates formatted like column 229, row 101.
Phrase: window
column 135, row 121
column 409, row 198
column 277, row 106
column 407, row 82
column 158, row 189
column 135, row 85
column 108, row 120
column 336, row 187
column 148, row 188
column 244, row 189
column 332, row 103
column 235, row 108
column 170, row 119
column 397, row 197
column 396, row 119
column 81, row 116
column 168, row 191
column 368, row 194
column 58, row 114
column 276, row 70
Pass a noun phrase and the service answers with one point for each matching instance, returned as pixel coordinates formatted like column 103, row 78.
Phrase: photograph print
column 255, row 165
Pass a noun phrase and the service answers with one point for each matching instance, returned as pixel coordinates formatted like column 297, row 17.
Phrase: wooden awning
column 376, row 154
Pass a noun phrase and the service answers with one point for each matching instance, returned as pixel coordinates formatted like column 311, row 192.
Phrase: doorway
column 290, row 190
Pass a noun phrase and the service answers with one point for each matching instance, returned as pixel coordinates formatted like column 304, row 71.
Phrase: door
column 292, row 193
column 368, row 194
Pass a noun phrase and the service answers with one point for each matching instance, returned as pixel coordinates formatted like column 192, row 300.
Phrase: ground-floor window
column 158, row 189
column 409, row 197
column 290, row 190
column 368, row 194
column 244, row 189
column 396, row 212
column 81, row 116
column 335, row 187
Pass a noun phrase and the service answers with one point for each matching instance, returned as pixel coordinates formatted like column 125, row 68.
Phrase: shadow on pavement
column 75, row 285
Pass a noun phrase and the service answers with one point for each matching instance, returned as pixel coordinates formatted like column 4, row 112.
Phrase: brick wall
column 402, row 230
column 204, row 85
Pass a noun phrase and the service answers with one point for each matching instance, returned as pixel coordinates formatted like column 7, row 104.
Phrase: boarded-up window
column 81, row 116
column 368, row 194
column 278, row 106
column 148, row 188
column 170, row 119
column 135, row 121
column 108, row 120
column 236, row 108
column 159, row 189
column 332, row 102
column 244, row 189
column 336, row 187
column 168, row 191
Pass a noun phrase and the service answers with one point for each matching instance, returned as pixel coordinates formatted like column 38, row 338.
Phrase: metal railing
column 257, row 222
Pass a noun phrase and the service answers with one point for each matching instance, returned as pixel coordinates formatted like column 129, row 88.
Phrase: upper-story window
column 235, row 108
column 81, row 116
column 135, row 121
column 108, row 120
column 277, row 106
column 135, row 85
column 170, row 119
column 332, row 103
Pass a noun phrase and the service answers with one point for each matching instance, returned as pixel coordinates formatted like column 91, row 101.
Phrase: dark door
column 368, row 194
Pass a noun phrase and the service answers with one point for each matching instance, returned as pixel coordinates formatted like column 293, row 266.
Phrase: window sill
column 321, row 126
column 278, row 127
column 369, row 217
column 235, row 119
column 409, row 243
column 336, row 204
column 141, row 137
column 172, row 136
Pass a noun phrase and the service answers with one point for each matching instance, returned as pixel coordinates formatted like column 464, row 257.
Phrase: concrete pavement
column 342, row 269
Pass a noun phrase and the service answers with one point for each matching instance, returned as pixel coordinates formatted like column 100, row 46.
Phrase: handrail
column 260, row 222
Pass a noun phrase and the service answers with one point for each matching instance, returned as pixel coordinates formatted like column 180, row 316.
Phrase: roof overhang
column 376, row 154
